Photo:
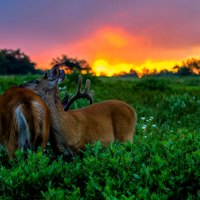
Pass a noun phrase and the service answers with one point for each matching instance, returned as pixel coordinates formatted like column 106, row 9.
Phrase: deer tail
column 22, row 129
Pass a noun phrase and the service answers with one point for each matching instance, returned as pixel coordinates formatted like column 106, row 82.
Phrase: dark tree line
column 16, row 62
column 189, row 68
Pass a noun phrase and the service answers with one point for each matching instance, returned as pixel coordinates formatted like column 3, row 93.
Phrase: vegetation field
column 162, row 163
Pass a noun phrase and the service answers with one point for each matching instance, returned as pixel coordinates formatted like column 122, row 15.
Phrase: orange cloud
column 111, row 50
column 112, row 44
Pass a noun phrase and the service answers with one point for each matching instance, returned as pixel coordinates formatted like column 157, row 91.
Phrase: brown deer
column 106, row 121
column 24, row 120
column 67, row 102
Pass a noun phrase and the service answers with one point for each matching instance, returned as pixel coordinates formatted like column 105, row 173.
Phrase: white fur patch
column 23, row 129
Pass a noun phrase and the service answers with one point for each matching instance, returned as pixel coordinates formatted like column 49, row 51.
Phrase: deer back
column 24, row 120
column 106, row 121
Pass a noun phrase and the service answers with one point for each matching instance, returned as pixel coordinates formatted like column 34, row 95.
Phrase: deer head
column 49, row 81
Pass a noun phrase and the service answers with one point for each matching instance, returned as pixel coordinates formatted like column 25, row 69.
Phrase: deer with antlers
column 106, row 121
column 24, row 120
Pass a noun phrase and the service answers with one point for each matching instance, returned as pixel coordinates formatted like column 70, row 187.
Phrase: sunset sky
column 112, row 35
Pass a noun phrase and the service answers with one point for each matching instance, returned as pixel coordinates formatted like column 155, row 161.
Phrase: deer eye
column 36, row 82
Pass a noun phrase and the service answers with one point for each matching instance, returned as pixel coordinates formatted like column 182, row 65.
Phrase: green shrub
column 162, row 163
column 153, row 84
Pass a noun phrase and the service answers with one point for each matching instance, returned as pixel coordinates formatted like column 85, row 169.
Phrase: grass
column 162, row 163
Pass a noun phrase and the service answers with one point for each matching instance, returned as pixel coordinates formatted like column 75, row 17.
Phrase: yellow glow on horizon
column 160, row 65
column 102, row 66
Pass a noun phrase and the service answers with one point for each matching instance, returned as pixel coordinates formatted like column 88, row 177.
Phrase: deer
column 66, row 101
column 105, row 121
column 24, row 120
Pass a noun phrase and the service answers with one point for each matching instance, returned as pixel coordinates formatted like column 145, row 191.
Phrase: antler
column 66, row 102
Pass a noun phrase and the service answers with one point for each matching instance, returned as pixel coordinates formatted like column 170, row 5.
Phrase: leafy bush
column 182, row 104
column 148, row 169
column 153, row 84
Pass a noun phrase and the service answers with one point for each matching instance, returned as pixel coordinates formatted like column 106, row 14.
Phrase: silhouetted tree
column 194, row 65
column 165, row 72
column 15, row 62
column 145, row 71
column 183, row 70
column 132, row 73
column 72, row 64
column 190, row 67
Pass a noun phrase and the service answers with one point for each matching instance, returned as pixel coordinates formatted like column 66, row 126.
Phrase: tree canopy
column 16, row 62
column 72, row 64
column 190, row 67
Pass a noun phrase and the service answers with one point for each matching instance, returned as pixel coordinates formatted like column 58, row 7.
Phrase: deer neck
column 58, row 115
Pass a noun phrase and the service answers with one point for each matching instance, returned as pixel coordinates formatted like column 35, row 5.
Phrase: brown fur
column 36, row 115
column 106, row 121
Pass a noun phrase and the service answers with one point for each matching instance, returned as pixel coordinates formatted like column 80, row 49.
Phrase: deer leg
column 59, row 148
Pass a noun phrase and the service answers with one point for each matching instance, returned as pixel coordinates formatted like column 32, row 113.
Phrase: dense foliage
column 162, row 163
column 16, row 62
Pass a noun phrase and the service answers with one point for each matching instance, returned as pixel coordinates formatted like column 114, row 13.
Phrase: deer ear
column 54, row 72
column 46, row 75
column 61, row 76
